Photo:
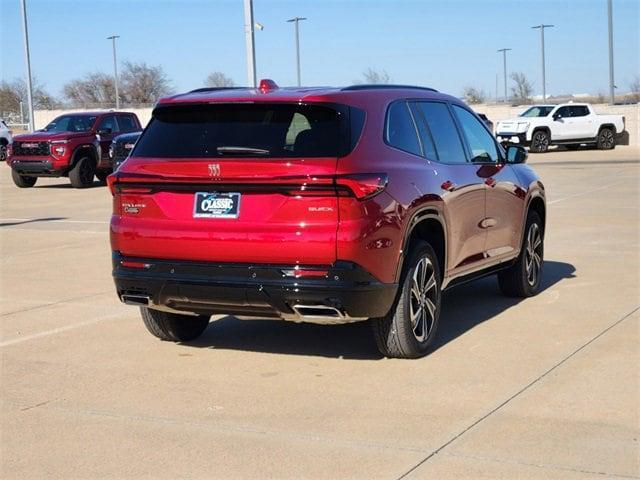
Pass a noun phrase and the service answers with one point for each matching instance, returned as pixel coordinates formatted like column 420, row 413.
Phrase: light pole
column 504, row 66
column 542, row 26
column 612, row 97
column 296, row 20
column 115, row 68
column 249, row 25
column 23, row 6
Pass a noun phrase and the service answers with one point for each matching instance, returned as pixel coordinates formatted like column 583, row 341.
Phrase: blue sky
column 443, row 44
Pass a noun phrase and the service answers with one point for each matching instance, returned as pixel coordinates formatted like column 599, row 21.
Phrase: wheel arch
column 426, row 224
column 539, row 128
column 79, row 150
column 538, row 205
column 611, row 126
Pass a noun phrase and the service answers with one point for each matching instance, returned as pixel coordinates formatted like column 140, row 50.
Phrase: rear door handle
column 490, row 182
column 448, row 185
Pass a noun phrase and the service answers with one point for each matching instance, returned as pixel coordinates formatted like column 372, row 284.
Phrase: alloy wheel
column 86, row 173
column 540, row 141
column 606, row 138
column 533, row 254
column 423, row 299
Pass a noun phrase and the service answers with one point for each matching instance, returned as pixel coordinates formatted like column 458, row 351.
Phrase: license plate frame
column 216, row 205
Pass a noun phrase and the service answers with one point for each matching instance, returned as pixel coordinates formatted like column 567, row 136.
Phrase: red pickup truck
column 74, row 145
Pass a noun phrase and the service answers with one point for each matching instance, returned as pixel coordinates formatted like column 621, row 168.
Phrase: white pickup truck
column 570, row 124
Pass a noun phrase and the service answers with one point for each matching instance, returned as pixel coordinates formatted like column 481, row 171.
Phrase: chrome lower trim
column 319, row 314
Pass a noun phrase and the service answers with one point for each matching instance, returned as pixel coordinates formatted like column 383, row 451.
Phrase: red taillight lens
column 111, row 181
column 363, row 185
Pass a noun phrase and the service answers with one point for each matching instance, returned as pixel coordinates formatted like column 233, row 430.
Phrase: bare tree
column 634, row 85
column 12, row 93
column 371, row 76
column 93, row 90
column 474, row 95
column 143, row 84
column 522, row 90
column 219, row 79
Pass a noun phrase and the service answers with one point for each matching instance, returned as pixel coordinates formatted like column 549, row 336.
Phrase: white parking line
column 586, row 192
column 54, row 331
column 37, row 220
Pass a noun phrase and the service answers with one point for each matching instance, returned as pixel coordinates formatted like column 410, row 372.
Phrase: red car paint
column 54, row 153
column 359, row 208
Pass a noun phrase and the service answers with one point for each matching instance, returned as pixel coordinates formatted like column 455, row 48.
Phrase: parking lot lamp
column 115, row 68
column 297, row 20
column 542, row 26
column 612, row 97
column 249, row 31
column 25, row 32
column 504, row 66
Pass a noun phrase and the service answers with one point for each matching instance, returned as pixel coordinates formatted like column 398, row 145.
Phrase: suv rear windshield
column 248, row 130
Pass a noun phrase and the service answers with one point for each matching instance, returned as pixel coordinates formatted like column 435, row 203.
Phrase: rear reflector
column 131, row 264
column 303, row 273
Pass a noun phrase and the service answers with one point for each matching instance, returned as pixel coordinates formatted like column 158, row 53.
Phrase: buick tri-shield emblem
column 214, row 170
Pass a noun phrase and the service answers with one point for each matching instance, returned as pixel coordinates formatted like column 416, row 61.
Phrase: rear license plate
column 216, row 205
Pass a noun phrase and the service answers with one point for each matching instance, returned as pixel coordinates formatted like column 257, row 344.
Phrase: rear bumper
column 346, row 294
column 36, row 167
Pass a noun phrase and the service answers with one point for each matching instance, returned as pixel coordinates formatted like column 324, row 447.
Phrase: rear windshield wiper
column 230, row 150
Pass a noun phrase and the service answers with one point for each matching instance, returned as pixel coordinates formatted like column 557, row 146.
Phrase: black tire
column 81, row 175
column 523, row 278
column 3, row 151
column 396, row 335
column 23, row 181
column 173, row 327
column 102, row 175
column 606, row 139
column 540, row 141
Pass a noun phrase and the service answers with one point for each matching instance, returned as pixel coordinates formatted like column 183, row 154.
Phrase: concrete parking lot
column 547, row 387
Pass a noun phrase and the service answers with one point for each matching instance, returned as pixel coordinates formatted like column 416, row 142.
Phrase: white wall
column 494, row 112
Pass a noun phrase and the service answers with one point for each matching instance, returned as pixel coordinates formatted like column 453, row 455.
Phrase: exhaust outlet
column 317, row 311
column 137, row 300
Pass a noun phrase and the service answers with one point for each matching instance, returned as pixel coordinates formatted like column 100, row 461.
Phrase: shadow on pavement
column 464, row 307
column 32, row 220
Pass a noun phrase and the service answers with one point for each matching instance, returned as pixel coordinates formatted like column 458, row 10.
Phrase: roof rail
column 382, row 86
column 213, row 89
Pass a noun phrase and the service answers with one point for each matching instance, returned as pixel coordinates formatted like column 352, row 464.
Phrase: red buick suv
column 324, row 205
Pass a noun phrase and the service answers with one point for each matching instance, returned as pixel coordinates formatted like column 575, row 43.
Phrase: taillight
column 363, row 185
column 111, row 181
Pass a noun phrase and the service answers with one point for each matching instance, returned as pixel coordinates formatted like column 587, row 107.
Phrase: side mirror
column 557, row 116
column 104, row 131
column 516, row 154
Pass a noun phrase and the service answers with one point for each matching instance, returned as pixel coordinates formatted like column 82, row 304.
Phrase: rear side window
column 127, row 123
column 579, row 111
column 109, row 122
column 246, row 130
column 400, row 130
column 481, row 143
column 444, row 131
